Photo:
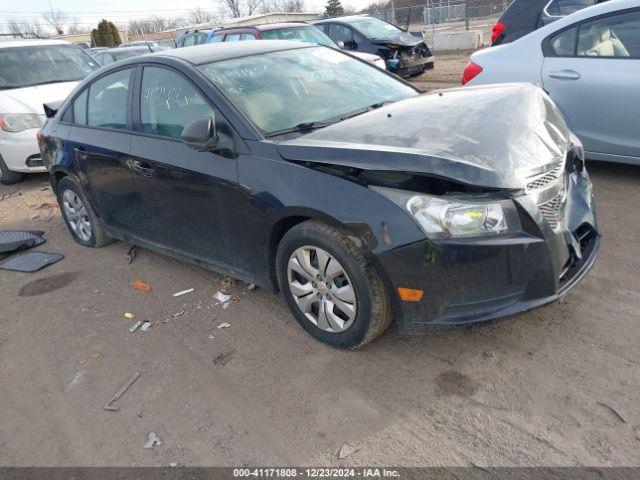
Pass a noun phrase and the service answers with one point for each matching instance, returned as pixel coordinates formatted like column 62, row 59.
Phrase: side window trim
column 547, row 51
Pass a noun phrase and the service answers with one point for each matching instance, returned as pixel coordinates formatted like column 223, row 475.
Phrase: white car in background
column 33, row 72
column 589, row 63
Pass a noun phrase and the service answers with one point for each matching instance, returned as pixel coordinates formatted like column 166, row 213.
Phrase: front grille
column 546, row 179
column 551, row 210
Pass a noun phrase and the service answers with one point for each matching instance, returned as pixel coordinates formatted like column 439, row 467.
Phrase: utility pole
column 393, row 12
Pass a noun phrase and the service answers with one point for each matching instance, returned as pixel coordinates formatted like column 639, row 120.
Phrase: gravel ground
column 556, row 386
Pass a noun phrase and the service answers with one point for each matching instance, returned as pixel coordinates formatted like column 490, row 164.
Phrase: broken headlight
column 442, row 217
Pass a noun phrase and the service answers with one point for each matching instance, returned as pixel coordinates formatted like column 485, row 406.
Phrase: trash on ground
column 135, row 326
column 173, row 464
column 183, row 292
column 613, row 410
column 142, row 286
column 34, row 216
column 251, row 286
column 226, row 306
column 31, row 261
column 82, row 362
column 152, row 441
column 228, row 281
column 14, row 240
column 347, row 450
column 211, row 337
column 224, row 325
column 96, row 355
column 235, row 298
column 223, row 358
column 109, row 405
column 146, row 326
column 222, row 297
column 178, row 314
column 129, row 315
column 131, row 254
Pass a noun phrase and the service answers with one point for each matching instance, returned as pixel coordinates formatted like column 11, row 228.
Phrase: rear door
column 591, row 70
column 101, row 138
column 192, row 201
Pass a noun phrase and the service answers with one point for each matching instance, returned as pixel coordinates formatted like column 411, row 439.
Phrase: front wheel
column 8, row 177
column 331, row 286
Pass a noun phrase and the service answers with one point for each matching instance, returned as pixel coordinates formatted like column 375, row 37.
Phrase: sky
column 91, row 11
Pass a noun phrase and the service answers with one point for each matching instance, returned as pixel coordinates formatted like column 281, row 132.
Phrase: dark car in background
column 194, row 37
column 305, row 170
column 299, row 31
column 525, row 16
column 111, row 55
column 405, row 54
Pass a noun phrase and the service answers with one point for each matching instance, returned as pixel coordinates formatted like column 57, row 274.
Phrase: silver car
column 589, row 62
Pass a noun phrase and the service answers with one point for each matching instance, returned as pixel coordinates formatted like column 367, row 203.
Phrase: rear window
column 108, row 100
column 562, row 8
column 28, row 66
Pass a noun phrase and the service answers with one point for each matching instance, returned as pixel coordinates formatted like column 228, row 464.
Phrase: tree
column 283, row 6
column 199, row 15
column 24, row 29
column 333, row 9
column 106, row 35
column 233, row 6
column 56, row 18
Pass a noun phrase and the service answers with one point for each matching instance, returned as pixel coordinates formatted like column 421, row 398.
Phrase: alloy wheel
column 77, row 215
column 322, row 289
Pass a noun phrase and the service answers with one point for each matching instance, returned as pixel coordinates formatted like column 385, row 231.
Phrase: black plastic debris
column 15, row 240
column 31, row 261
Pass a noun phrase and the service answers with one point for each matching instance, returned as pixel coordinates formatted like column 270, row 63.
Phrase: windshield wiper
column 301, row 127
column 373, row 106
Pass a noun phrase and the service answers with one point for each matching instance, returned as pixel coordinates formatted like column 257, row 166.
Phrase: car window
column 614, row 36
column 232, row 37
column 108, row 97
column 374, row 28
column 168, row 102
column 324, row 27
column 201, row 38
column 307, row 34
column 80, row 108
column 247, row 36
column 342, row 33
column 563, row 44
column 189, row 40
column 561, row 8
column 216, row 38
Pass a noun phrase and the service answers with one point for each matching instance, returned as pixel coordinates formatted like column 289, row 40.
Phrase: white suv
column 33, row 72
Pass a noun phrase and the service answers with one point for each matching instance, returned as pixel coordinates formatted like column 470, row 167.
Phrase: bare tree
column 252, row 6
column 283, row 6
column 55, row 18
column 74, row 27
column 233, row 8
column 24, row 28
column 199, row 15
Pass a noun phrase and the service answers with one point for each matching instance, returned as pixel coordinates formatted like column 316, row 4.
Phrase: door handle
column 565, row 75
column 141, row 168
column 81, row 154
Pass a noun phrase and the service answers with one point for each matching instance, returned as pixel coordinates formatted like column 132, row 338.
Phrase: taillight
column 498, row 28
column 470, row 72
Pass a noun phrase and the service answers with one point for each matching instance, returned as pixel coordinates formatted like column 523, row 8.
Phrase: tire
column 370, row 310
column 84, row 225
column 8, row 177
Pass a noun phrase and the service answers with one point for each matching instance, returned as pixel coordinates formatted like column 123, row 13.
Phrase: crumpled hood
column 493, row 136
column 30, row 99
column 403, row 38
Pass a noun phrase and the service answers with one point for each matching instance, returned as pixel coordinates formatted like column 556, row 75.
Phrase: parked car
column 288, row 31
column 106, row 57
column 302, row 169
column 33, row 72
column 149, row 44
column 589, row 63
column 405, row 54
column 524, row 16
column 196, row 37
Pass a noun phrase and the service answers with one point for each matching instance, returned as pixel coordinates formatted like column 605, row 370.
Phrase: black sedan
column 305, row 170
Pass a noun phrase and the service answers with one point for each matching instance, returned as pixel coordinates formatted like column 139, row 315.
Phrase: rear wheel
column 331, row 286
column 83, row 223
column 8, row 177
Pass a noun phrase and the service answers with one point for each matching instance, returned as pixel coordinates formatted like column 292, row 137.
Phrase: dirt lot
column 557, row 386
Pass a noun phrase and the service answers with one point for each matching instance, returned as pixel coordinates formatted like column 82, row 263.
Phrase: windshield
column 282, row 90
column 304, row 34
column 121, row 55
column 374, row 28
column 27, row 66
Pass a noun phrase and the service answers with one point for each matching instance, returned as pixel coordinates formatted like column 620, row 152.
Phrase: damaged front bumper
column 410, row 61
column 474, row 280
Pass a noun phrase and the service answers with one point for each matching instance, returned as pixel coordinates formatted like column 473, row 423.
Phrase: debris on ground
column 178, row 314
column 34, row 216
column 211, row 337
column 251, row 286
column 612, row 410
column 347, row 450
column 135, row 326
column 222, row 297
column 96, row 355
column 131, row 254
column 146, row 326
column 82, row 361
column 31, row 261
column 489, row 354
column 129, row 315
column 235, row 298
column 228, row 282
column 152, row 441
column 183, row 292
column 226, row 306
column 139, row 413
column 223, row 358
column 48, row 205
column 224, row 325
column 109, row 405
column 142, row 286
column 173, row 464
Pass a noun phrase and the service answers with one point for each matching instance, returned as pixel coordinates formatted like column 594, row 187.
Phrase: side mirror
column 201, row 135
column 341, row 44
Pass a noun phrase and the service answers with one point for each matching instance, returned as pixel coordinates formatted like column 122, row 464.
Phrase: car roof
column 132, row 48
column 31, row 43
column 213, row 52
column 346, row 19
